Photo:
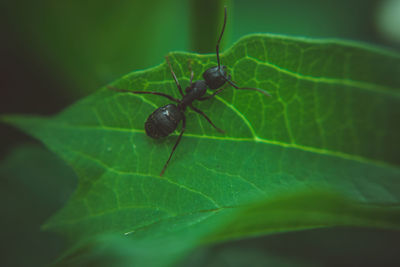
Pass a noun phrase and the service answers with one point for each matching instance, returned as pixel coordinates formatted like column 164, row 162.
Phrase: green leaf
column 329, row 124
column 170, row 239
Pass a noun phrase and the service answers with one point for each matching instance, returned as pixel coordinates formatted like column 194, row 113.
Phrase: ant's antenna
column 246, row 88
column 220, row 37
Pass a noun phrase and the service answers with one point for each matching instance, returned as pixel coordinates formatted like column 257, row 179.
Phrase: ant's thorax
column 193, row 92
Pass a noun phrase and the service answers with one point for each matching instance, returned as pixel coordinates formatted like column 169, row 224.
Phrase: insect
column 217, row 76
column 164, row 120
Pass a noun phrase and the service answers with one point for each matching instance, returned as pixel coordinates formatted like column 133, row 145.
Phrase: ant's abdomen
column 163, row 121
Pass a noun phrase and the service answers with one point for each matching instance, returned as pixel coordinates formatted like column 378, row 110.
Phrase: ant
column 164, row 120
column 215, row 77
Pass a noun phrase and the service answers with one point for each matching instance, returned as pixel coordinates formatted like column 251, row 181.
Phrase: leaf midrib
column 256, row 139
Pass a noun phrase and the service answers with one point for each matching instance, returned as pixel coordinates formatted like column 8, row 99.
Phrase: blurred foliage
column 94, row 42
column 341, row 246
column 312, row 18
column 204, row 17
column 34, row 184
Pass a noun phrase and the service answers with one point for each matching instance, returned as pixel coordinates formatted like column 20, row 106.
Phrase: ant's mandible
column 164, row 120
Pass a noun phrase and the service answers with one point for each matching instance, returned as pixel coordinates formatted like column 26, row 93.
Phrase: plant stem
column 206, row 22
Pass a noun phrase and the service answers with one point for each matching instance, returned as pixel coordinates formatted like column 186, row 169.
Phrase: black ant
column 215, row 77
column 164, row 120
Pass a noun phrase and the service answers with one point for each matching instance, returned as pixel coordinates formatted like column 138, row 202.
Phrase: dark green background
column 54, row 52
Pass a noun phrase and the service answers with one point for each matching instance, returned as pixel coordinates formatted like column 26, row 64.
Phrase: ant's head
column 215, row 77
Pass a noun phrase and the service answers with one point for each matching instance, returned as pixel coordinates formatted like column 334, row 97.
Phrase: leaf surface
column 330, row 124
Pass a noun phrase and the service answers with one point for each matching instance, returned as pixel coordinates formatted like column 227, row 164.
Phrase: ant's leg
column 207, row 118
column 143, row 92
column 176, row 144
column 246, row 88
column 174, row 76
column 210, row 96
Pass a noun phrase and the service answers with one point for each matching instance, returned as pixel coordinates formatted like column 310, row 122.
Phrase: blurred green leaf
column 353, row 19
column 329, row 124
column 167, row 241
column 93, row 42
column 336, row 246
column 34, row 184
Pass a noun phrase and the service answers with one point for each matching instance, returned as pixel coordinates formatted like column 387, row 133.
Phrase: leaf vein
column 111, row 169
column 334, row 81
